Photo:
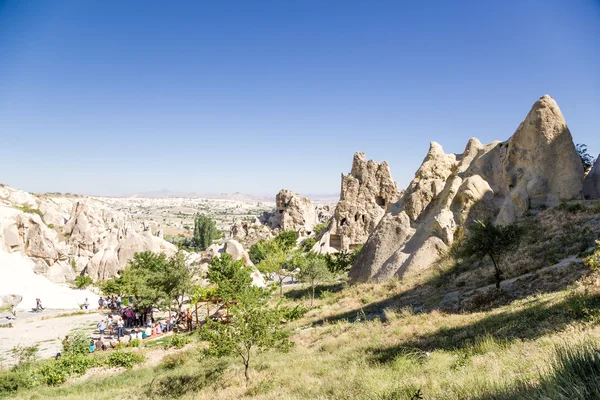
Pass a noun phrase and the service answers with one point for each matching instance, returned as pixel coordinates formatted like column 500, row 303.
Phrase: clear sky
column 115, row 97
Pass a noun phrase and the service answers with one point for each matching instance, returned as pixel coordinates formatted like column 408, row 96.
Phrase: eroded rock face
column 293, row 212
column 366, row 193
column 591, row 184
column 76, row 234
column 537, row 165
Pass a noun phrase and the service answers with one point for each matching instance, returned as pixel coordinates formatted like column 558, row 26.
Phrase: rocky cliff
column 537, row 165
column 366, row 193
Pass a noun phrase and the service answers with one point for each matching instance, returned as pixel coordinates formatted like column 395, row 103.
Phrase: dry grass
column 394, row 340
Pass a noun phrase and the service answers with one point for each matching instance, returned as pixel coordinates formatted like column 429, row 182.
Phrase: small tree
column 586, row 159
column 232, row 277
column 253, row 328
column 205, row 231
column 277, row 266
column 313, row 270
column 286, row 239
column 487, row 239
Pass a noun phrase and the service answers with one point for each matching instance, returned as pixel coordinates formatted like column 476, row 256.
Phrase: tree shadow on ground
column 299, row 293
column 531, row 322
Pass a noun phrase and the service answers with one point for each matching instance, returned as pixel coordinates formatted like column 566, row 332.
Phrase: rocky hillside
column 536, row 167
column 65, row 236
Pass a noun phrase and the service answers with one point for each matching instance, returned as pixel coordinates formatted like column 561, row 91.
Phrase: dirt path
column 47, row 329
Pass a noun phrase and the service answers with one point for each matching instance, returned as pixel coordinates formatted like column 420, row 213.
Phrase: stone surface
column 75, row 235
column 366, row 193
column 293, row 212
column 591, row 184
column 502, row 180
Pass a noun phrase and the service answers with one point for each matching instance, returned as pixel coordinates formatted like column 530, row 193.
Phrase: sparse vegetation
column 83, row 281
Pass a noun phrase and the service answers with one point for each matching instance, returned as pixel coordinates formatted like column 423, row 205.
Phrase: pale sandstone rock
column 537, row 165
column 366, row 194
column 293, row 212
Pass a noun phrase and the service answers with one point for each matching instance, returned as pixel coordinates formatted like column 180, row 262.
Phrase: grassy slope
column 368, row 342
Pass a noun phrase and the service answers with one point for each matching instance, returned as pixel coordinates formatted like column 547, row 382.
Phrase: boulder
column 501, row 180
column 10, row 300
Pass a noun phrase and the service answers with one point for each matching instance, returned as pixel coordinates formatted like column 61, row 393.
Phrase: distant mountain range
column 165, row 193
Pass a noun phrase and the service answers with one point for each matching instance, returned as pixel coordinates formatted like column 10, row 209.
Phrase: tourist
column 120, row 328
column 137, row 320
column 100, row 303
column 101, row 326
column 92, row 347
column 189, row 320
column 100, row 344
column 119, row 302
column 38, row 305
column 14, row 312
column 147, row 332
column 86, row 303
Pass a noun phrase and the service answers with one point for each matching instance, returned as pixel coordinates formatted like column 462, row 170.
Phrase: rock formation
column 365, row 196
column 292, row 212
column 64, row 236
column 537, row 165
column 591, row 184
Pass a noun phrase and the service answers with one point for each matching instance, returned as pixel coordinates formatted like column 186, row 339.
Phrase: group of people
column 110, row 302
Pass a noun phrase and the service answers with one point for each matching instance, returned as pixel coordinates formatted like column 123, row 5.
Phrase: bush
column 78, row 344
column 172, row 361
column 15, row 379
column 177, row 341
column 126, row 359
column 291, row 314
column 572, row 208
column 135, row 343
column 83, row 281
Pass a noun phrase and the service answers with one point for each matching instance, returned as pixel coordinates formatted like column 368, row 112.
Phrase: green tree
column 313, row 270
column 154, row 280
column 205, row 231
column 232, row 277
column 277, row 265
column 286, row 239
column 586, row 159
column 254, row 327
column 487, row 239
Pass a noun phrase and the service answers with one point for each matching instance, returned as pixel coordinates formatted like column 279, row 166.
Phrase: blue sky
column 115, row 97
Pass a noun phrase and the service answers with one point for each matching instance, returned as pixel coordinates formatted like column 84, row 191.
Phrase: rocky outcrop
column 293, row 213
column 65, row 236
column 502, row 180
column 591, row 184
column 366, row 194
column 251, row 232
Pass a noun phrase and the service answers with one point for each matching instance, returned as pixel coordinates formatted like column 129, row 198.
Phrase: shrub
column 29, row 210
column 135, row 343
column 572, row 208
column 172, row 361
column 25, row 355
column 126, row 359
column 291, row 314
column 177, row 341
column 78, row 343
column 83, row 281
column 15, row 379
